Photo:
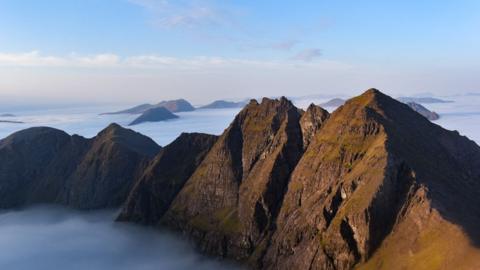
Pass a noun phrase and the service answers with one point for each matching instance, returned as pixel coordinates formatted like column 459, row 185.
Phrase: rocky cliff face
column 232, row 199
column 372, row 186
column 164, row 177
column 377, row 171
column 45, row 165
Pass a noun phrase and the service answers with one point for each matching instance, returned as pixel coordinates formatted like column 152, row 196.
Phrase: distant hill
column 424, row 100
column 7, row 115
column 432, row 116
column 178, row 105
column 223, row 104
column 11, row 122
column 154, row 115
column 336, row 102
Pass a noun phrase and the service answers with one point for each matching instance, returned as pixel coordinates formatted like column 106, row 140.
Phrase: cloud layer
column 54, row 238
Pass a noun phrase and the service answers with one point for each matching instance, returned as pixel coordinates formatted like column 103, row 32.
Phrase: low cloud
column 113, row 61
column 308, row 55
column 55, row 238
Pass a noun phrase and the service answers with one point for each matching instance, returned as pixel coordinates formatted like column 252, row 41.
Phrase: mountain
column 230, row 203
column 380, row 187
column 164, row 177
column 154, row 115
column 178, row 105
column 373, row 185
column 7, row 115
column 222, row 104
column 336, row 102
column 424, row 100
column 432, row 116
column 46, row 165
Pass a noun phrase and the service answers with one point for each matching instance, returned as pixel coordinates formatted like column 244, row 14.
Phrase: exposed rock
column 311, row 121
column 164, row 177
column 222, row 104
column 432, row 116
column 45, row 165
column 374, row 167
column 230, row 203
column 154, row 115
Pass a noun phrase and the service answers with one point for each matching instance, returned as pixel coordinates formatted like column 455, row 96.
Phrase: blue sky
column 54, row 48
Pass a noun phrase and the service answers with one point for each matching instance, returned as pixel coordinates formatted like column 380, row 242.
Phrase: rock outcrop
column 154, row 115
column 45, row 165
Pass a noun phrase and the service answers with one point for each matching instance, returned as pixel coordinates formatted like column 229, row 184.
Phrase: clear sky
column 147, row 50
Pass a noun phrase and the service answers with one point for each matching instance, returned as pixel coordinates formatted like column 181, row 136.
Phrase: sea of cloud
column 51, row 237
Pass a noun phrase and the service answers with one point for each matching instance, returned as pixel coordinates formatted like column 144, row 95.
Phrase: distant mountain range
column 424, row 100
column 11, row 122
column 222, row 104
column 178, row 105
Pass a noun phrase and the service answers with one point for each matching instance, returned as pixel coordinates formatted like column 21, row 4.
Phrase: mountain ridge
column 373, row 185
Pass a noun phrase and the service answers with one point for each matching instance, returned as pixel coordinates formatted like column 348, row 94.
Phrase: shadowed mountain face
column 374, row 185
column 45, row 165
column 164, row 177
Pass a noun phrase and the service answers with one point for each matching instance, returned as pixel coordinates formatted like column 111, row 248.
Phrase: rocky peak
column 374, row 167
column 311, row 121
column 243, row 178
column 134, row 141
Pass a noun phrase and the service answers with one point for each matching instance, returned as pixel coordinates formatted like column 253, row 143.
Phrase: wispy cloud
column 187, row 14
column 109, row 60
column 308, row 55
column 285, row 45
column 35, row 59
